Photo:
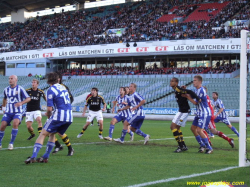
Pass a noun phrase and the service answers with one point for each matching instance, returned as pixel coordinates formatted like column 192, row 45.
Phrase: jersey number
column 65, row 96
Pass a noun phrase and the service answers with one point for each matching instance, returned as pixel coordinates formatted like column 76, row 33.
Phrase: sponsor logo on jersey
column 13, row 100
column 50, row 96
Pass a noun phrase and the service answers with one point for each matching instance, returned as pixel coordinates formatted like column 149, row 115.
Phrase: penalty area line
column 182, row 177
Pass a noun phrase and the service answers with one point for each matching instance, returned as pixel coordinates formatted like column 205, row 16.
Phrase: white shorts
column 30, row 116
column 94, row 114
column 180, row 119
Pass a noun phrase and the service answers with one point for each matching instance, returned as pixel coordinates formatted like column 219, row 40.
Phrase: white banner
column 207, row 46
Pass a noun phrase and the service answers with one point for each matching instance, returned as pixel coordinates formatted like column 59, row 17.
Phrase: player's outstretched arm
column 104, row 107
column 140, row 104
column 49, row 111
column 4, row 104
column 190, row 99
column 218, row 113
column 84, row 110
column 124, row 108
column 23, row 102
column 113, row 108
column 193, row 95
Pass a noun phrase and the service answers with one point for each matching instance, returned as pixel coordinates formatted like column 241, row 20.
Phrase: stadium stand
column 227, row 68
column 158, row 94
column 143, row 21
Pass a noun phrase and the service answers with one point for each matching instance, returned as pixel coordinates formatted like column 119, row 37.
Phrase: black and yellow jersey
column 95, row 102
column 183, row 101
column 35, row 96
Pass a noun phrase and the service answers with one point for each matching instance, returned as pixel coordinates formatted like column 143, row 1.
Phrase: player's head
column 215, row 95
column 132, row 88
column 174, row 82
column 122, row 91
column 94, row 91
column 197, row 82
column 13, row 80
column 60, row 77
column 127, row 90
column 52, row 78
column 35, row 83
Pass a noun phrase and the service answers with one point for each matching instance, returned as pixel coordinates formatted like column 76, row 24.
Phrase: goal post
column 245, row 37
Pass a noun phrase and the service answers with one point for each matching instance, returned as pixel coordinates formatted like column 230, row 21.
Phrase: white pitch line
column 90, row 143
column 182, row 177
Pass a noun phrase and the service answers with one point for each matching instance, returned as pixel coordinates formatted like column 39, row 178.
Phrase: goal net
column 244, row 112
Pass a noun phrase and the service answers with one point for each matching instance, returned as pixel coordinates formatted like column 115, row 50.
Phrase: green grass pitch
column 100, row 163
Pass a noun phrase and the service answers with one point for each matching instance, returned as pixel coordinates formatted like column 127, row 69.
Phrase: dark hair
column 175, row 79
column 124, row 89
column 52, row 78
column 96, row 89
column 60, row 76
column 198, row 77
column 216, row 93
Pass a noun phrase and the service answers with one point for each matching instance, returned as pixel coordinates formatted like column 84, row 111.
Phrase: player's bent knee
column 133, row 129
column 229, row 125
column 113, row 121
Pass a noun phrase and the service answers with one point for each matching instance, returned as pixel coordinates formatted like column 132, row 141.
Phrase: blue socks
column 111, row 129
column 13, row 135
column 198, row 138
column 139, row 132
column 235, row 130
column 50, row 146
column 36, row 150
column 124, row 132
column 1, row 136
column 205, row 140
column 130, row 133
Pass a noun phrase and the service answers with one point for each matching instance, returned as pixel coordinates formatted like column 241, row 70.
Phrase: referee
column 33, row 110
column 181, row 116
column 95, row 111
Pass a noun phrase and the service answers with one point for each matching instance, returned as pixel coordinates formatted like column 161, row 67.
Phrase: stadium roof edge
column 7, row 6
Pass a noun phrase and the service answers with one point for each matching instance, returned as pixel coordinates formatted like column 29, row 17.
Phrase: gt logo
column 123, row 50
column 142, row 49
column 161, row 48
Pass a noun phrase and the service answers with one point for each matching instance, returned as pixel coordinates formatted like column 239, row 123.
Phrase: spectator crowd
column 128, row 70
column 88, row 27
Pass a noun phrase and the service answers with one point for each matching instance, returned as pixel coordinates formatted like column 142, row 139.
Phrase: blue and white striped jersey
column 202, row 109
column 218, row 104
column 13, row 96
column 134, row 100
column 58, row 96
column 120, row 100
